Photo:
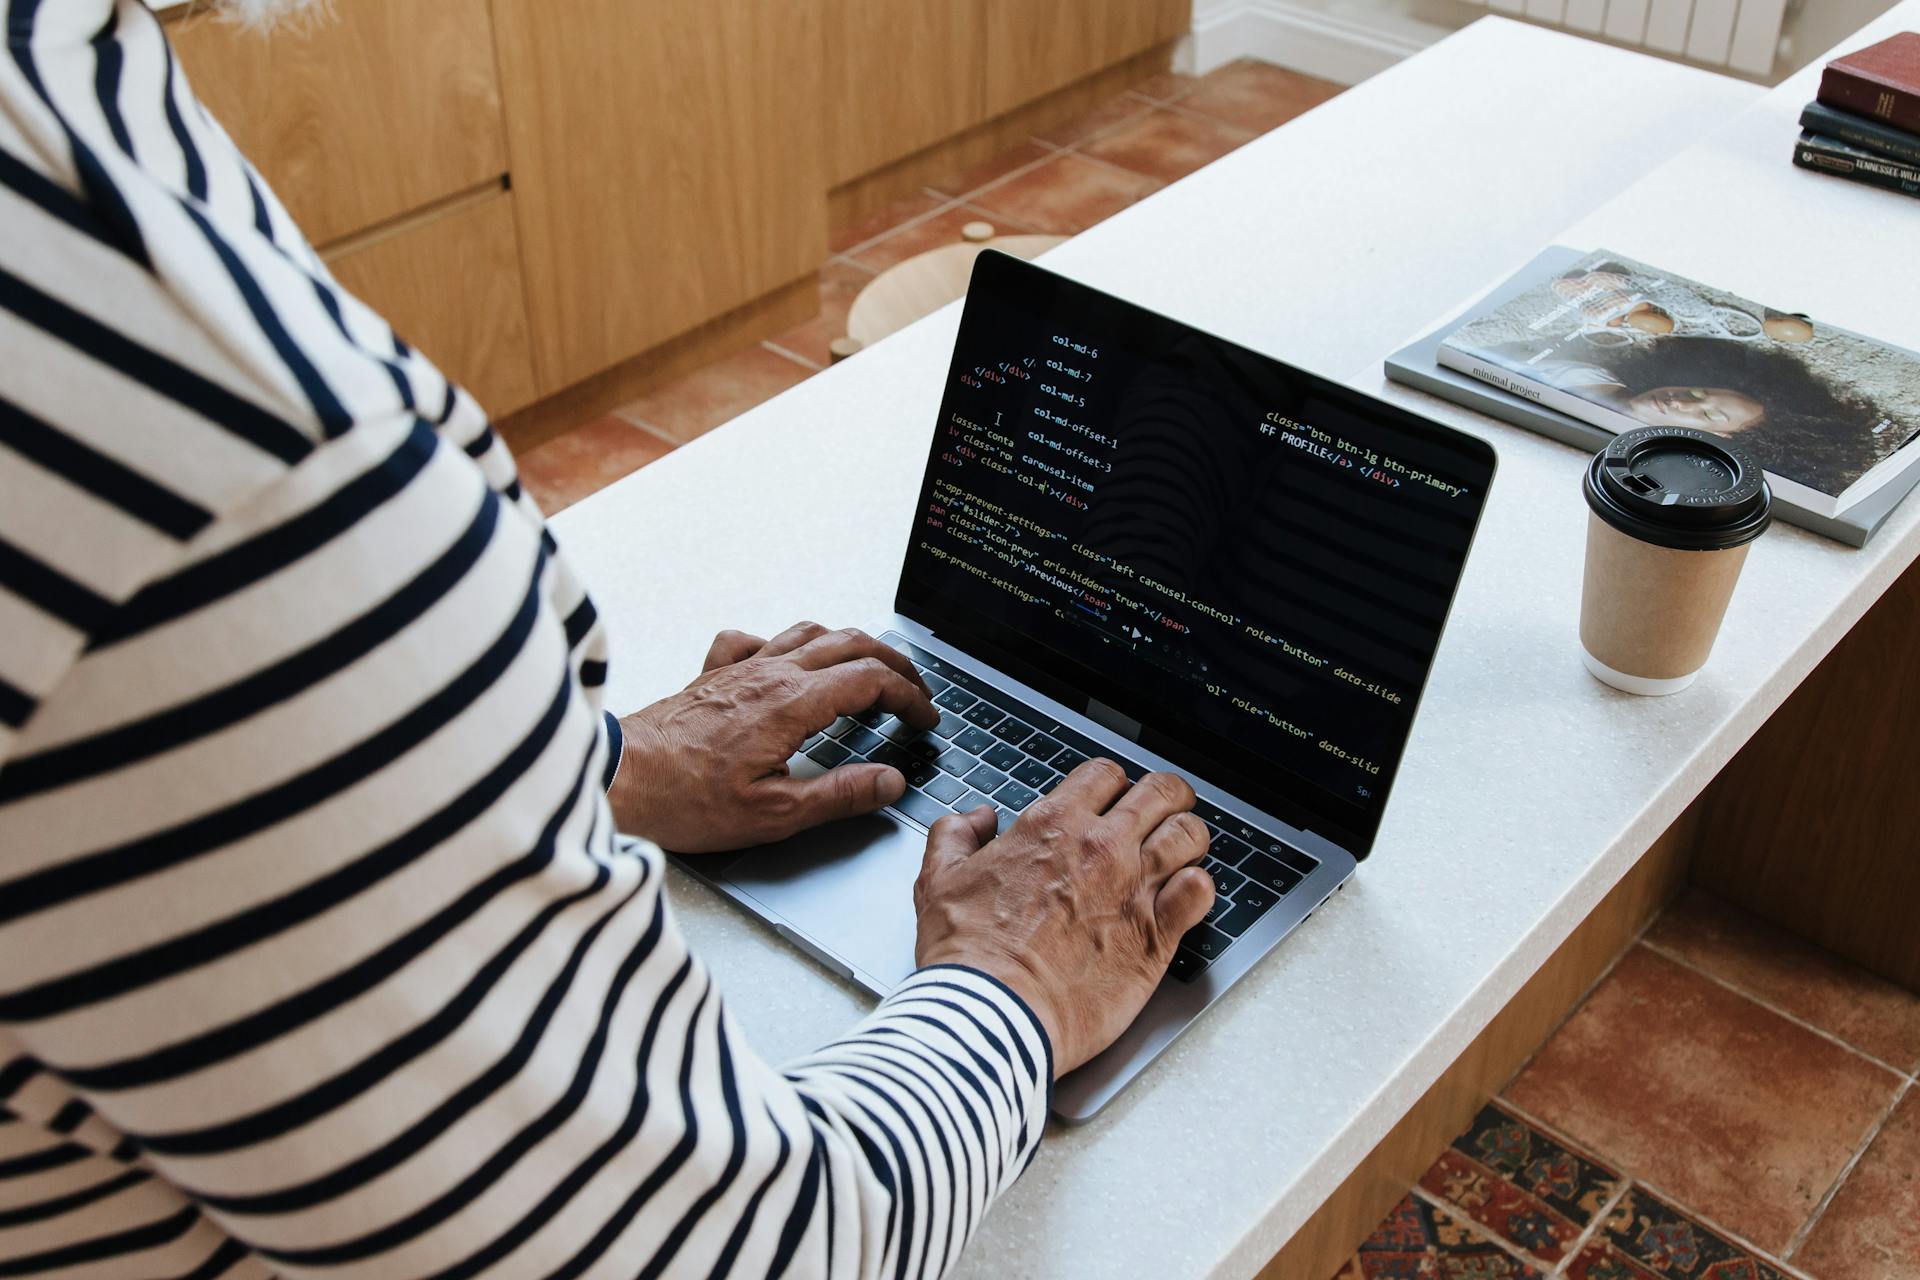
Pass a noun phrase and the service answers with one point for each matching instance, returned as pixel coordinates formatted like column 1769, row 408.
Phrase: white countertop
column 1528, row 789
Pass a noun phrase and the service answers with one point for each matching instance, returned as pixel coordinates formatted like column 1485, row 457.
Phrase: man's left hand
column 706, row 769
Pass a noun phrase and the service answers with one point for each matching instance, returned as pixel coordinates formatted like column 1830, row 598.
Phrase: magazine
column 1619, row 344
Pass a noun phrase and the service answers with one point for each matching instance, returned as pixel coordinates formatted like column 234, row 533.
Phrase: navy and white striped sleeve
column 319, row 953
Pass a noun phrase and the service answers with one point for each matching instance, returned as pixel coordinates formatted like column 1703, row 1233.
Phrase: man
column 321, row 951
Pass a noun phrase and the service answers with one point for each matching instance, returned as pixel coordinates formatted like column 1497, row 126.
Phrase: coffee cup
column 1671, row 513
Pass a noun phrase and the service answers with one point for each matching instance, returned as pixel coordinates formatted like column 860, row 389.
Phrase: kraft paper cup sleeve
column 1649, row 611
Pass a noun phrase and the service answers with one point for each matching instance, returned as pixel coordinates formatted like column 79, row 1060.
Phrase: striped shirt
column 319, row 952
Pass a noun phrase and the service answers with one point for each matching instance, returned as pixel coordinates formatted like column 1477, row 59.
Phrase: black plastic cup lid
column 1681, row 488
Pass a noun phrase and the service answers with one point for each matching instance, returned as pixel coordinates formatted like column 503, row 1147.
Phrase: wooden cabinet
column 668, row 165
column 366, row 115
column 537, row 191
column 450, row 285
column 1037, row 46
column 903, row 75
column 379, row 127
column 900, row 75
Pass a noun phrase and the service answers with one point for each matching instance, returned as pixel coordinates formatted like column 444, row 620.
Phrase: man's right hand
column 1078, row 907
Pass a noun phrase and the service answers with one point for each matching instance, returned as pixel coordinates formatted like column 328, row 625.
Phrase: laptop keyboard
column 990, row 748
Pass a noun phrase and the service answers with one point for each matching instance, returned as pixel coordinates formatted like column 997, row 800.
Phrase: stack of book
column 1865, row 124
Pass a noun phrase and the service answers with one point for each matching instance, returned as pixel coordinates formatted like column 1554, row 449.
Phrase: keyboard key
column 1078, row 741
column 1277, row 876
column 957, row 762
column 862, row 741
column 945, row 788
column 1225, row 879
column 1221, row 906
column 949, row 725
column 1279, row 850
column 1033, row 774
column 961, row 680
column 1068, row 760
column 841, row 727
column 1303, row 863
column 1237, row 920
column 1002, row 757
column 896, row 730
column 1248, row 834
column 1248, row 831
column 935, row 685
column 1035, row 753
column 889, row 754
column 812, row 739
column 829, row 753
column 1186, row 966
column 1256, row 898
column 923, row 775
column 924, row 748
column 921, row 658
column 1228, row 850
column 1206, row 942
column 983, row 715
column 1211, row 814
column 974, row 740
column 871, row 717
column 987, row 778
column 922, row 808
column 970, row 801
column 1015, row 797
column 972, row 684
column 1042, row 748
column 955, row 699
column 1012, row 731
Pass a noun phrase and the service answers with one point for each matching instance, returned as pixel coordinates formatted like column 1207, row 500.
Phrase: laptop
column 1139, row 541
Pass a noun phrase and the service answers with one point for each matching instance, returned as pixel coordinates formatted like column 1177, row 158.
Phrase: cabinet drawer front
column 668, row 166
column 900, row 75
column 1035, row 48
column 375, row 110
column 450, row 285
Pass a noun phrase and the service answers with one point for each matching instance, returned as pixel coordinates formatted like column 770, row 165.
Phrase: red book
column 1881, row 81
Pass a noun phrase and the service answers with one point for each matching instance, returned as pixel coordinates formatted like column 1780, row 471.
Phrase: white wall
column 1819, row 25
column 1348, row 40
column 1340, row 40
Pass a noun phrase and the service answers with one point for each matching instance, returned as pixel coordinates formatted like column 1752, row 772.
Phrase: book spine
column 1885, row 175
column 1543, row 393
column 1847, row 90
column 1874, row 136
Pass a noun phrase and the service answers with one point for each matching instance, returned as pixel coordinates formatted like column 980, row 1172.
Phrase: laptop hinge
column 1126, row 726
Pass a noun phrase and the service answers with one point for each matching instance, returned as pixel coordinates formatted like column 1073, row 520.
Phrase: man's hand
column 706, row 769
column 1078, row 907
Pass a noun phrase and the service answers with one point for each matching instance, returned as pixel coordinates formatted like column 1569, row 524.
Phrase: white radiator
column 1740, row 34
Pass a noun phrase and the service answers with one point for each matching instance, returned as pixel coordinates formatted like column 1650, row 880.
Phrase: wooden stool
column 922, row 285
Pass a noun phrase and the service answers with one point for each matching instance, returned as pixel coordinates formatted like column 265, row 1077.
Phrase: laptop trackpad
column 847, row 888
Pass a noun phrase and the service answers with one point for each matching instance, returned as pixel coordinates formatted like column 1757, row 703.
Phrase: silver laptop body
column 843, row 893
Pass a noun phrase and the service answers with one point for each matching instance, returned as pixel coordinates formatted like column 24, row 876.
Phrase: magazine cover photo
column 1817, row 404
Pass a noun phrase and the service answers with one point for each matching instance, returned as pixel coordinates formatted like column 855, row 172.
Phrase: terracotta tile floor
column 586, row 460
column 1729, row 1103
column 1061, row 182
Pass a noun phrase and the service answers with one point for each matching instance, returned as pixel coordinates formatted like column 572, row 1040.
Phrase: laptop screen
column 1251, row 562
